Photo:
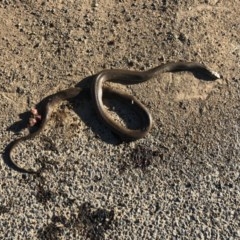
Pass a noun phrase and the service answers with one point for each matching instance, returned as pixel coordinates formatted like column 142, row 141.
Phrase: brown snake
column 118, row 76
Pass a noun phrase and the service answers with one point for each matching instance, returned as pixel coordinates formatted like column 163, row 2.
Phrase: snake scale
column 97, row 90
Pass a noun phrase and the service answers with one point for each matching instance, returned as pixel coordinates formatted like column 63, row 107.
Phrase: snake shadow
column 83, row 106
column 201, row 74
column 130, row 115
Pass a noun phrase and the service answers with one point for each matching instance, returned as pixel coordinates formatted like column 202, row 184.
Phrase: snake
column 98, row 90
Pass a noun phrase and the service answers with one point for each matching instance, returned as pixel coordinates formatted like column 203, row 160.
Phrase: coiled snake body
column 118, row 76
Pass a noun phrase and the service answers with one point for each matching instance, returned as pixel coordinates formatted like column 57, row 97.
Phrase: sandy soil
column 182, row 181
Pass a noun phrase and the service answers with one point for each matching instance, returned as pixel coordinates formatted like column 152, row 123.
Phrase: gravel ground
column 182, row 181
